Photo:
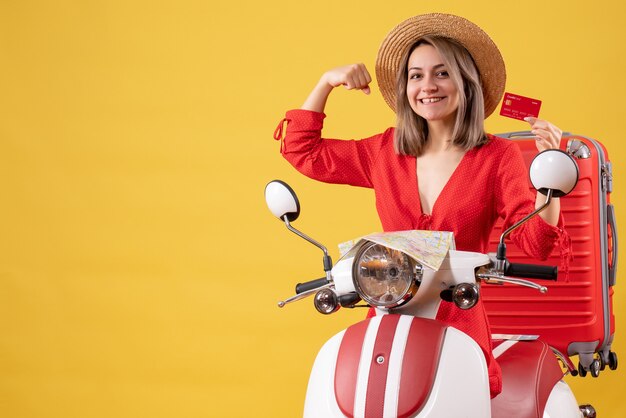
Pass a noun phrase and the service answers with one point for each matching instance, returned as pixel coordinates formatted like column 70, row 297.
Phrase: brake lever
column 491, row 278
column 303, row 295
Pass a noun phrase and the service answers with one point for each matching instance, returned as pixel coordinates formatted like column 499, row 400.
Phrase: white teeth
column 432, row 99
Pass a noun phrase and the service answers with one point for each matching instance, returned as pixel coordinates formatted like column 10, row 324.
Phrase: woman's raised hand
column 548, row 136
column 353, row 76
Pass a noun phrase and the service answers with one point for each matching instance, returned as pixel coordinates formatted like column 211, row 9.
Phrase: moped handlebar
column 531, row 271
column 310, row 285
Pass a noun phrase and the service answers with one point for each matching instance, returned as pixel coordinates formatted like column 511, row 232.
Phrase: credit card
column 518, row 107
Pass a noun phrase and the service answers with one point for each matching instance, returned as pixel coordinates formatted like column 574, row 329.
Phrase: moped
column 403, row 362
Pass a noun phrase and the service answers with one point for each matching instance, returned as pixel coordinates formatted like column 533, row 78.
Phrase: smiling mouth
column 428, row 100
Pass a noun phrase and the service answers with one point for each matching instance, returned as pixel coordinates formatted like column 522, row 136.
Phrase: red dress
column 489, row 182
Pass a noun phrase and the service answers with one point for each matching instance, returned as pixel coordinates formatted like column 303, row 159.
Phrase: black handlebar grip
column 313, row 284
column 531, row 271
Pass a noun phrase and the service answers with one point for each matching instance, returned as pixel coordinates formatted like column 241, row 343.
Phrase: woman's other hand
column 548, row 136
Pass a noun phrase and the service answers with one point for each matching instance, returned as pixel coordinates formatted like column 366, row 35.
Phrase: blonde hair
column 411, row 132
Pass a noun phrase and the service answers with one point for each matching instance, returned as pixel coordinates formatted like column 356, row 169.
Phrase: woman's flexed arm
column 353, row 76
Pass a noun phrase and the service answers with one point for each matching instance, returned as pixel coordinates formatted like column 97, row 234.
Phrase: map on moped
column 427, row 247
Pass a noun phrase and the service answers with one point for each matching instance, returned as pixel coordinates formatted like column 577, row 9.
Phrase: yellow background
column 139, row 267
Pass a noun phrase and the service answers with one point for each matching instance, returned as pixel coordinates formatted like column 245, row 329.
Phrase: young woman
column 437, row 169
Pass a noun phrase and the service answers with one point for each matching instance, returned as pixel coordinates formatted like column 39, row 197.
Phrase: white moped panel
column 342, row 276
column 561, row 403
column 463, row 264
column 320, row 395
column 461, row 387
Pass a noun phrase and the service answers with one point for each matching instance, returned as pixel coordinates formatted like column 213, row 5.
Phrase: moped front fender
column 399, row 365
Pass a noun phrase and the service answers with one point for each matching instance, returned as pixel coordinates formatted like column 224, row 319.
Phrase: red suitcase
column 576, row 315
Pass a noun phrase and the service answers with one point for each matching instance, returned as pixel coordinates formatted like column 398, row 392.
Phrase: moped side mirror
column 283, row 203
column 553, row 173
column 554, row 170
column 282, row 200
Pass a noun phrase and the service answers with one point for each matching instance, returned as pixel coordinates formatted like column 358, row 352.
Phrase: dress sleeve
column 536, row 237
column 328, row 160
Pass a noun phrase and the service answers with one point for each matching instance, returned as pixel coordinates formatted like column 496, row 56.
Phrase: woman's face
column 430, row 91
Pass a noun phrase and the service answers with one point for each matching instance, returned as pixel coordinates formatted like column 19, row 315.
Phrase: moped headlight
column 385, row 277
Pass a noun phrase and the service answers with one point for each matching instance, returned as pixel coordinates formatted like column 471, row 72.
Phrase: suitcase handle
column 522, row 134
column 610, row 211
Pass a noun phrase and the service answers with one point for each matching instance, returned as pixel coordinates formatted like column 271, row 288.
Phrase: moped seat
column 529, row 372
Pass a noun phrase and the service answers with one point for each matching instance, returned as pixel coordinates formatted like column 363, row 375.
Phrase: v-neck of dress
column 443, row 190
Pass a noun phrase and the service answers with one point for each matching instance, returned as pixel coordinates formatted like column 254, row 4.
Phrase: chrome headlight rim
column 416, row 272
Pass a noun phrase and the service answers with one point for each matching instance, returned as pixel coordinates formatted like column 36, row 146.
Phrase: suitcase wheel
column 594, row 368
column 612, row 360
column 604, row 359
column 581, row 370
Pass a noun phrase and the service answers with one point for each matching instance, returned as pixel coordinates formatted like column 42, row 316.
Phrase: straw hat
column 483, row 50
